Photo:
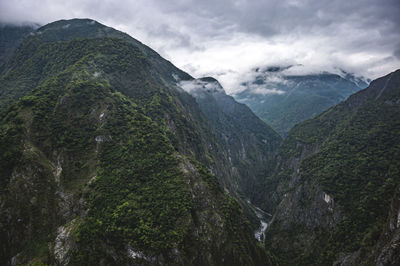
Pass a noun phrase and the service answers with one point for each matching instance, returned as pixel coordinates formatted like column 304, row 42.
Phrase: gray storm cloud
column 227, row 39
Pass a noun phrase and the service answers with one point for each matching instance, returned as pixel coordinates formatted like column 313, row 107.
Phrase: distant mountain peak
column 63, row 30
column 283, row 98
column 359, row 80
column 208, row 79
column 75, row 22
column 272, row 68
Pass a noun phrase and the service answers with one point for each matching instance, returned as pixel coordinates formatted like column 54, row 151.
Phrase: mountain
column 283, row 100
column 335, row 190
column 251, row 143
column 11, row 36
column 107, row 160
column 67, row 30
column 15, row 84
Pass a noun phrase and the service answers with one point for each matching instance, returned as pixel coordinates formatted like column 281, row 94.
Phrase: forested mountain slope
column 335, row 191
column 107, row 161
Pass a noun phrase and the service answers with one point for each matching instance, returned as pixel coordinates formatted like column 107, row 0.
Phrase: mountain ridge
column 112, row 155
column 283, row 99
column 107, row 161
column 335, row 184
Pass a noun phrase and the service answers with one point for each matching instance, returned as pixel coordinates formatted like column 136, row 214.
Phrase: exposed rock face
column 302, row 215
column 387, row 250
column 64, row 243
column 246, row 142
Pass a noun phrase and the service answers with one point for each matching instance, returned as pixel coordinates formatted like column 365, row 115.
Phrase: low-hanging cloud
column 256, row 89
column 228, row 39
column 263, row 82
column 198, row 87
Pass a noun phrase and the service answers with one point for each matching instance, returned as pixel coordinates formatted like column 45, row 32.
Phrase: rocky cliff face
column 387, row 251
column 107, row 161
column 335, row 182
column 247, row 143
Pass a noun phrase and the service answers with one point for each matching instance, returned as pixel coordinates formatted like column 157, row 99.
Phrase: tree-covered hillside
column 106, row 161
column 335, row 189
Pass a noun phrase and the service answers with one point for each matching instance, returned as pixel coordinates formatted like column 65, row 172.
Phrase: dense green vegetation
column 112, row 161
column 139, row 194
column 356, row 161
column 105, row 160
column 359, row 166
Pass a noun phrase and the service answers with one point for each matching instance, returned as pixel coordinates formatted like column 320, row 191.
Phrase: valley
column 111, row 155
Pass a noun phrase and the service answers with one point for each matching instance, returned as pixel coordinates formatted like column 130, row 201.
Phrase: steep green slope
column 101, row 162
column 190, row 131
column 38, row 59
column 41, row 65
column 10, row 37
column 334, row 191
column 283, row 101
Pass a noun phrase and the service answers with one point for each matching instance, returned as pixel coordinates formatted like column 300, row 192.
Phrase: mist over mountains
column 11, row 36
column 226, row 39
column 283, row 98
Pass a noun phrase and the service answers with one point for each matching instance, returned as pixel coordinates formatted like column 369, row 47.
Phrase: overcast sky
column 228, row 38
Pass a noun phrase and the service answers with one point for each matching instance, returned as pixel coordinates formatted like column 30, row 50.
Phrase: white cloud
column 264, row 91
column 190, row 86
column 228, row 39
column 197, row 86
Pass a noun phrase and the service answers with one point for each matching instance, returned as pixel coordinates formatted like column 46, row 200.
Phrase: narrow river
column 264, row 218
